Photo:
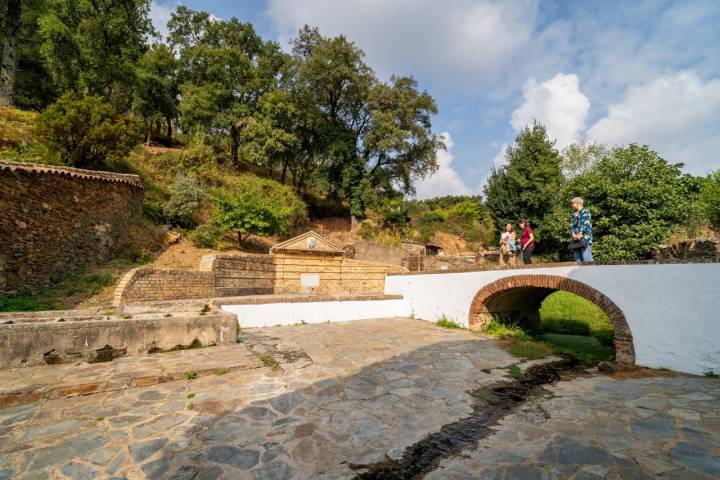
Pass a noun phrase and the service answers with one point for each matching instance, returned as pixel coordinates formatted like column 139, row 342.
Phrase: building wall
column 54, row 220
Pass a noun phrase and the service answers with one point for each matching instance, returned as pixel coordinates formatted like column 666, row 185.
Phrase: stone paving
column 335, row 395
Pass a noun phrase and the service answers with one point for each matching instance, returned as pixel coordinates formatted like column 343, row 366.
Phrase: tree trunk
column 284, row 171
column 169, row 128
column 234, row 145
column 10, row 52
column 149, row 132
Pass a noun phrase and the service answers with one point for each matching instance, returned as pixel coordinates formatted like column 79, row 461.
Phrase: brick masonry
column 241, row 275
column 54, row 220
column 505, row 295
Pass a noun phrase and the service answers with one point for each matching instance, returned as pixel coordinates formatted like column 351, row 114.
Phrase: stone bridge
column 665, row 315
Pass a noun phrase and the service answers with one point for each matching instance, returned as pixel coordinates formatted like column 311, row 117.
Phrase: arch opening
column 517, row 299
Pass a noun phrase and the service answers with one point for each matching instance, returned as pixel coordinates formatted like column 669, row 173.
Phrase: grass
column 191, row 375
column 222, row 372
column 515, row 371
column 190, row 395
column 711, row 374
column 445, row 323
column 588, row 349
column 530, row 349
column 81, row 284
column 568, row 314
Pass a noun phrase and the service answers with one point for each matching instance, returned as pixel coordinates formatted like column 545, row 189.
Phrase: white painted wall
column 673, row 310
column 271, row 314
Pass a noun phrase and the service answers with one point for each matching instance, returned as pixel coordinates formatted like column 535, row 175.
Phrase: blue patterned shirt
column 582, row 223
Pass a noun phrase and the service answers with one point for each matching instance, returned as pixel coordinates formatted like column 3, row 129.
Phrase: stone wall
column 377, row 252
column 239, row 275
column 54, row 220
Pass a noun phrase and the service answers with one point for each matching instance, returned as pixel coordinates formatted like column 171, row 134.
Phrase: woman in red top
column 527, row 241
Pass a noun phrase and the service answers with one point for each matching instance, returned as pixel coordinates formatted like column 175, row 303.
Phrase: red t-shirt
column 525, row 236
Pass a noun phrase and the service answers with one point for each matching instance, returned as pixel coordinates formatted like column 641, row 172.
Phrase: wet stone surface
column 357, row 393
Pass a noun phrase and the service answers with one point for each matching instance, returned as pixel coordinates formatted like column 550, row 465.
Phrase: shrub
column 185, row 200
column 710, row 199
column 206, row 236
column 368, row 229
column 86, row 133
column 253, row 205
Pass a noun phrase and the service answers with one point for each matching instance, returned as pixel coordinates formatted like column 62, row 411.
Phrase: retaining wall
column 54, row 220
column 50, row 337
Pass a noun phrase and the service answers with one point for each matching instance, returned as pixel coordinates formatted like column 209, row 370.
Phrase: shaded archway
column 518, row 299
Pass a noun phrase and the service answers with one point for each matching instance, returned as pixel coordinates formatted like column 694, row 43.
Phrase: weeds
column 190, row 406
column 711, row 374
column 222, row 372
column 445, row 323
column 191, row 375
column 268, row 360
column 191, row 395
column 515, row 371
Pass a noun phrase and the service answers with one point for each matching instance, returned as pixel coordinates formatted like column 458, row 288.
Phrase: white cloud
column 464, row 42
column 498, row 162
column 445, row 181
column 160, row 15
column 558, row 104
column 676, row 115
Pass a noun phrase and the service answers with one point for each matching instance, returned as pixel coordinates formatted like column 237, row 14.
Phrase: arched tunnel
column 517, row 299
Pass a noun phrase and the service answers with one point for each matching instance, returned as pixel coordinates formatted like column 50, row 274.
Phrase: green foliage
column 191, row 375
column 710, row 199
column 528, row 186
column 529, row 349
column 156, row 92
column 185, row 201
column 505, row 331
column 587, row 349
column 445, row 323
column 23, row 303
column 93, row 46
column 635, row 198
column 711, row 374
column 258, row 206
column 368, row 230
column 567, row 313
column 515, row 371
column 86, row 133
column 206, row 236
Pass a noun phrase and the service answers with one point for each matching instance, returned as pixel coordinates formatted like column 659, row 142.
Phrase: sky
column 613, row 72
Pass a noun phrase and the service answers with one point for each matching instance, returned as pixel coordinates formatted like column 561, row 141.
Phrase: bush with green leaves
column 86, row 132
column 635, row 198
column 710, row 199
column 206, row 236
column 185, row 201
column 260, row 206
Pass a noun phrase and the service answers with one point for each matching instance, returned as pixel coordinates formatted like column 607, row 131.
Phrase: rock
column 240, row 458
column 66, row 450
column 696, row 458
column 144, row 450
column 77, row 471
column 567, row 451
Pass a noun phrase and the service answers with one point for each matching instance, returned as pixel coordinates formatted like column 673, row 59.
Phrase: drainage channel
column 490, row 405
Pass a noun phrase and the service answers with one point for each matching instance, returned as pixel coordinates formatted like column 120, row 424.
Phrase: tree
column 528, row 185
column 186, row 199
column 156, row 92
column 579, row 158
column 12, row 13
column 92, row 46
column 635, row 198
column 86, row 132
column 710, row 199
column 225, row 69
column 259, row 206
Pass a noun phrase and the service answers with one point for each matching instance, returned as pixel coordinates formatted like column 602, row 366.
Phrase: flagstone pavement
column 312, row 400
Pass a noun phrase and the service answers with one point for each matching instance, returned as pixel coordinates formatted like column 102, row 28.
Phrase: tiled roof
column 133, row 180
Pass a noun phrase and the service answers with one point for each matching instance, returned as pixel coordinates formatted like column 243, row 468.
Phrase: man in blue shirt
column 581, row 230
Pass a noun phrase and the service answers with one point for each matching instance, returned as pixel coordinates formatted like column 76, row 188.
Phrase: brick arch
column 519, row 297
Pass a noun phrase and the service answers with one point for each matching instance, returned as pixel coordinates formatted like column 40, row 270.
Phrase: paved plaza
column 333, row 401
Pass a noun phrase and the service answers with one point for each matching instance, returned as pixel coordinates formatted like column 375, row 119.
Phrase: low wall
column 38, row 341
column 242, row 274
column 377, row 252
column 152, row 284
column 271, row 313
column 54, row 220
column 238, row 275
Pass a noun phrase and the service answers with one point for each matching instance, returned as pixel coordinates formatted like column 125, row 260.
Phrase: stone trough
column 38, row 338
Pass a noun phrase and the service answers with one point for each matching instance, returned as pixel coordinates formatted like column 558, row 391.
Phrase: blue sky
column 613, row 72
